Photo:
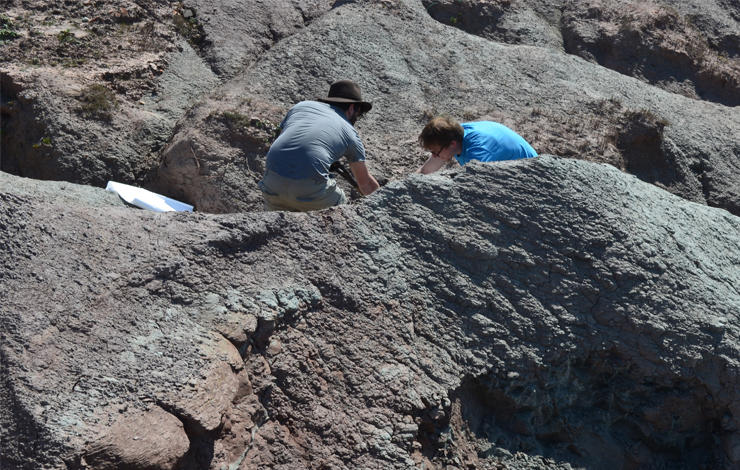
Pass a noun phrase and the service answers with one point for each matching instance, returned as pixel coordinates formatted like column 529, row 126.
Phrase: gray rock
column 540, row 314
column 61, row 191
column 237, row 32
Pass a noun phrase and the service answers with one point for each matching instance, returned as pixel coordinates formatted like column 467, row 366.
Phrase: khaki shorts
column 285, row 194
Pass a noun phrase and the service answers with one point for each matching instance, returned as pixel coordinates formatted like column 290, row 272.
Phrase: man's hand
column 365, row 181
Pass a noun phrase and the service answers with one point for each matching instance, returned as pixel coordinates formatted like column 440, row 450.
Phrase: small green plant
column 453, row 20
column 71, row 62
column 7, row 29
column 468, row 115
column 44, row 142
column 237, row 120
column 66, row 36
column 97, row 101
column 187, row 25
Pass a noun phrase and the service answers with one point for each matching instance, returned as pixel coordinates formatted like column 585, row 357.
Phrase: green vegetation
column 97, row 101
column 66, row 36
column 44, row 142
column 235, row 118
column 187, row 26
column 74, row 62
column 7, row 29
column 238, row 121
column 647, row 117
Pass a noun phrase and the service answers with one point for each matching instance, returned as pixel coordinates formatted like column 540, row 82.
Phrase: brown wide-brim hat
column 346, row 91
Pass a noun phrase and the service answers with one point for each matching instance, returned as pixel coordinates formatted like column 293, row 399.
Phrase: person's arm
column 431, row 165
column 365, row 181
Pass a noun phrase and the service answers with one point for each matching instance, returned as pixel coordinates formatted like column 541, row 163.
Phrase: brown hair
column 441, row 131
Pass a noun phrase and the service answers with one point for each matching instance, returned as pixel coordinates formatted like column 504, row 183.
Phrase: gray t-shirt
column 314, row 135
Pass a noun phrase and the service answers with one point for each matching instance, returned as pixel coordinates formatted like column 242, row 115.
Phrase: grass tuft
column 97, row 101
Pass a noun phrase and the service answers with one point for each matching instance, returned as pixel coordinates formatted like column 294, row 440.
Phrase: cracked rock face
column 532, row 314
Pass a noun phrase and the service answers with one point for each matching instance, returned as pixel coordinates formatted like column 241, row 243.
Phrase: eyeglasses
column 436, row 154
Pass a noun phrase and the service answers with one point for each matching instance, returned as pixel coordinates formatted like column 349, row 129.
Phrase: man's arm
column 365, row 181
column 431, row 165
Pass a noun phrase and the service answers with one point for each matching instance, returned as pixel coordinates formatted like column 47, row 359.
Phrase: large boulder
column 546, row 313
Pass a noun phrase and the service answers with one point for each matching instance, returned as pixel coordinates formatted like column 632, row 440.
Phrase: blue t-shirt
column 313, row 136
column 488, row 141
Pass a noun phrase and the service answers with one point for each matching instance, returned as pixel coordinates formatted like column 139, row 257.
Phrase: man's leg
column 285, row 194
column 329, row 195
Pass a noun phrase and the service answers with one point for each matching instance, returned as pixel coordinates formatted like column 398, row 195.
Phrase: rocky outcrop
column 656, row 44
column 235, row 34
column 691, row 48
column 184, row 98
column 90, row 92
column 549, row 313
column 538, row 314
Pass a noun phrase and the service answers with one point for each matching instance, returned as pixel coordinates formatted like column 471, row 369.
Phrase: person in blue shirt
column 313, row 135
column 484, row 141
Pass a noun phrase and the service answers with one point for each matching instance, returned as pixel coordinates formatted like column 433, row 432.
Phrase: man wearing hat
column 313, row 135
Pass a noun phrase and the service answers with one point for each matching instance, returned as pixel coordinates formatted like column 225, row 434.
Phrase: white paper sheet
column 146, row 199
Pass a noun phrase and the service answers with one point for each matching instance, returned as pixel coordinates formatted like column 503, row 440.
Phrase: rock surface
column 554, row 313
column 533, row 314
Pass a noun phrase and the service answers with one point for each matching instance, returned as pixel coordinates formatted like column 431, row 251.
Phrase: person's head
column 353, row 111
column 346, row 95
column 442, row 136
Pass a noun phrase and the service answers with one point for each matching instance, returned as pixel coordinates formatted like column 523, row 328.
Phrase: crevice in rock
column 474, row 17
column 24, row 444
column 641, row 144
column 25, row 147
column 434, row 430
column 200, row 453
column 584, row 411
column 188, row 25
